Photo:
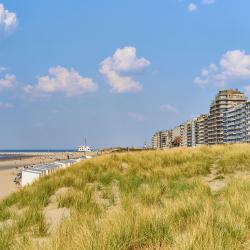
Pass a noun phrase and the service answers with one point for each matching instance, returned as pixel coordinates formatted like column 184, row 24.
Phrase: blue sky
column 114, row 71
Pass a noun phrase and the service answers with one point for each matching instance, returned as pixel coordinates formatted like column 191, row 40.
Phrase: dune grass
column 138, row 200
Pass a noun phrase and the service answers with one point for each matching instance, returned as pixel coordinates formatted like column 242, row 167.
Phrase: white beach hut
column 32, row 174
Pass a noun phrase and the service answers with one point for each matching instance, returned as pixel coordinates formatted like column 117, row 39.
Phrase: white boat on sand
column 84, row 149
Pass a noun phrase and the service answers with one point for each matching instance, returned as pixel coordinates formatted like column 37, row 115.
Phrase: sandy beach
column 9, row 168
column 7, row 186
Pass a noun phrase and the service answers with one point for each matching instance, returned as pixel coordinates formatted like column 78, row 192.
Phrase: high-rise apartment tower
column 224, row 100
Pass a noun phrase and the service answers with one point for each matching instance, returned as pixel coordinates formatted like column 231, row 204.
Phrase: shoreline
column 8, row 158
column 10, row 167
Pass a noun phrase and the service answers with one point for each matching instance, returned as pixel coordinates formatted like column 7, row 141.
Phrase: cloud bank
column 117, row 67
column 192, row 7
column 63, row 80
column 233, row 65
column 8, row 20
column 8, row 81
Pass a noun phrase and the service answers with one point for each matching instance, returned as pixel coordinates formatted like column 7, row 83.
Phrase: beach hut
column 68, row 163
column 31, row 174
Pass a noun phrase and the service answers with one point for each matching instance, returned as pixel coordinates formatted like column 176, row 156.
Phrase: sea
column 36, row 150
column 17, row 153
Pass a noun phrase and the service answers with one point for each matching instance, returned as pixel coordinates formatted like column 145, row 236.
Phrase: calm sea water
column 5, row 157
column 4, row 154
column 35, row 150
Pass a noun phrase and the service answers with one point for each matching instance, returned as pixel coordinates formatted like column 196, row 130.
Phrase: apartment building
column 191, row 132
column 224, row 100
column 176, row 137
column 248, row 122
column 228, row 121
column 237, row 124
column 166, row 139
column 156, row 140
column 162, row 139
column 201, row 130
column 183, row 135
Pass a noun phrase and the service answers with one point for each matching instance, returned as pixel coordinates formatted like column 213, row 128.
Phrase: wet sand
column 10, row 167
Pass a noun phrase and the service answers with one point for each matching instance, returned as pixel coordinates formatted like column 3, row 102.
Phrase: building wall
column 236, row 124
column 166, row 139
column 183, row 132
column 191, row 132
column 193, row 128
column 224, row 100
column 156, row 140
column 176, row 136
column 162, row 139
column 248, row 122
column 201, row 130
column 176, row 132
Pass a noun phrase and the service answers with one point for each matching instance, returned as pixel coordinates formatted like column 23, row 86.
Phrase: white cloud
column 8, row 81
column 192, row 7
column 8, row 20
column 136, row 116
column 208, row 2
column 6, row 105
column 206, row 75
column 233, row 65
column 116, row 68
column 60, row 79
column 169, row 108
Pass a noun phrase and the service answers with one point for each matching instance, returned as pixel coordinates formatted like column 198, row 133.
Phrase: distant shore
column 12, row 161
column 9, row 166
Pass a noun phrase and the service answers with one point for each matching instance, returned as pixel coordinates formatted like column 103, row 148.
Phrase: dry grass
column 139, row 200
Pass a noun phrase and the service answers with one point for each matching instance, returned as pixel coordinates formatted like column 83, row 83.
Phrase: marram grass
column 138, row 200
